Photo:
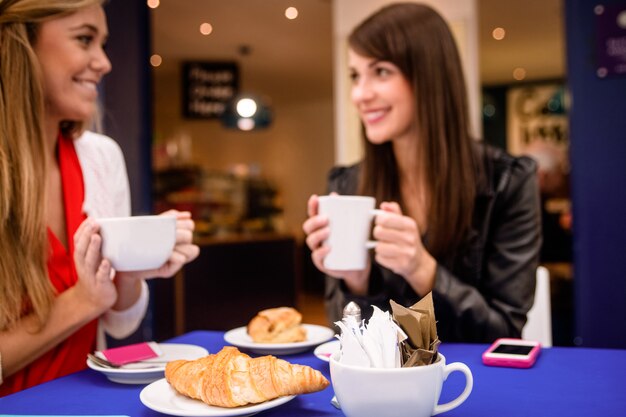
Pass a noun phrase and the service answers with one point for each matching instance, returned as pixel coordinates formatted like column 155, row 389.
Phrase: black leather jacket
column 483, row 291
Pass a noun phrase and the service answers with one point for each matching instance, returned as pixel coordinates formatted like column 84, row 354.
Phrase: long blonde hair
column 24, row 284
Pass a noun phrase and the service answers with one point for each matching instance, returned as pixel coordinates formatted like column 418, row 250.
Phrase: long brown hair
column 418, row 41
column 24, row 283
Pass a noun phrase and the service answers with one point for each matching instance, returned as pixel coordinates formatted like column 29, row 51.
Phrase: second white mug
column 350, row 218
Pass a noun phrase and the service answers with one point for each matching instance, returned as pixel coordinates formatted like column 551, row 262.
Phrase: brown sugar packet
column 419, row 324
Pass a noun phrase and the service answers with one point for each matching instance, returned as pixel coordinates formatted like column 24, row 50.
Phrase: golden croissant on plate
column 230, row 378
column 277, row 325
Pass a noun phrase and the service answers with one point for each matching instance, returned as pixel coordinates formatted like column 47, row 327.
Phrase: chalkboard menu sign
column 208, row 87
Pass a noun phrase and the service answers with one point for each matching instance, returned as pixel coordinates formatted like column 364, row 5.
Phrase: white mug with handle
column 350, row 219
column 398, row 392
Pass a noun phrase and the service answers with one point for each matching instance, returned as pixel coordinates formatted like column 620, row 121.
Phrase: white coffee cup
column 350, row 218
column 137, row 243
column 398, row 392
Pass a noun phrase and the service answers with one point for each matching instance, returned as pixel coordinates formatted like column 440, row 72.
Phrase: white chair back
column 539, row 324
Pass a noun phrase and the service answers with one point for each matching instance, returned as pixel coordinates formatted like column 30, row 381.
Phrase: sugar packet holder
column 375, row 345
column 132, row 353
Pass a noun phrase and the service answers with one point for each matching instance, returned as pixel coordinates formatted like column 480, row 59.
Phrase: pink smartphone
column 513, row 353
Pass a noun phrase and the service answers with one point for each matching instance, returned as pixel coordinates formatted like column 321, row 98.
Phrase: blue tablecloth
column 564, row 382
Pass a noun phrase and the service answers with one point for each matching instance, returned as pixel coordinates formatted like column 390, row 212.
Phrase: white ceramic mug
column 137, row 243
column 350, row 218
column 398, row 392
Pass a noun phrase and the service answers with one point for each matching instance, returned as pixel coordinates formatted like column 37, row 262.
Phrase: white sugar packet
column 373, row 346
column 351, row 341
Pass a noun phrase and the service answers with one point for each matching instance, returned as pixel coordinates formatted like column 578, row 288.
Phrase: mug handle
column 371, row 244
column 469, row 384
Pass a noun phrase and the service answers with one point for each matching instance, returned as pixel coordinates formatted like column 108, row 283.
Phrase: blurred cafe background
column 235, row 110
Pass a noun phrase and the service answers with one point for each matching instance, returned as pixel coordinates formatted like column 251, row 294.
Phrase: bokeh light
column 246, row 107
column 519, row 73
column 498, row 34
column 206, row 28
column 156, row 60
column 291, row 13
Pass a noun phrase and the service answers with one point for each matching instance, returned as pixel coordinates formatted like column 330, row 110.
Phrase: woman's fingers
column 317, row 231
column 316, row 238
column 312, row 205
column 104, row 271
column 178, row 214
column 82, row 237
column 187, row 252
column 87, row 249
column 183, row 236
column 93, row 257
column 406, row 234
column 185, row 224
column 181, row 255
column 94, row 273
column 318, row 255
column 391, row 207
column 390, row 220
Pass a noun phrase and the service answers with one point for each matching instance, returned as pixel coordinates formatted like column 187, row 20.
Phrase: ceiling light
column 247, row 112
column 246, row 107
column 498, row 33
column 153, row 4
column 206, row 28
column 291, row 13
column 156, row 60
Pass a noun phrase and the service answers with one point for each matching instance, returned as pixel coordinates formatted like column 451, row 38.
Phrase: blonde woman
column 55, row 287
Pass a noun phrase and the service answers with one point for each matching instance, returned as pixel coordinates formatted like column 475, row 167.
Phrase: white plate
column 160, row 396
column 314, row 336
column 325, row 350
column 170, row 352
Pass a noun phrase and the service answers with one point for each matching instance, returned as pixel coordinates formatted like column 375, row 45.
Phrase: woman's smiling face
column 71, row 54
column 383, row 98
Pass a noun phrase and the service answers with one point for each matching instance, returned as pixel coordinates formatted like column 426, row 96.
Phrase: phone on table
column 513, row 353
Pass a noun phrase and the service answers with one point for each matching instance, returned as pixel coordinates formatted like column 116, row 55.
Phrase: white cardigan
column 107, row 194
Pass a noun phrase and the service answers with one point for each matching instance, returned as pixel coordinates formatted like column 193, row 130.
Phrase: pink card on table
column 132, row 353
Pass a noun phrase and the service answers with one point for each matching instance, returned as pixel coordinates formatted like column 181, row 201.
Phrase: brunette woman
column 461, row 219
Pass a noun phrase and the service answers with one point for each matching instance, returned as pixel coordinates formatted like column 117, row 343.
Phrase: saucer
column 325, row 350
column 160, row 396
column 314, row 336
column 170, row 352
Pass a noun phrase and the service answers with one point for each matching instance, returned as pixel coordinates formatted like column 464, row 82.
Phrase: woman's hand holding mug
column 400, row 248
column 337, row 232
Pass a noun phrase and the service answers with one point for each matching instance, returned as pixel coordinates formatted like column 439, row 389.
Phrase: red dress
column 70, row 355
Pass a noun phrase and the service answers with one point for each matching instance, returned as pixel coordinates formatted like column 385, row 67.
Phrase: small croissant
column 277, row 325
column 230, row 378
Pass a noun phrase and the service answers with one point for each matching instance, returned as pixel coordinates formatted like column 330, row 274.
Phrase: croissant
column 277, row 325
column 230, row 378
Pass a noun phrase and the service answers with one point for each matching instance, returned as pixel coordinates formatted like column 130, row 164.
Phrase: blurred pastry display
column 230, row 378
column 222, row 203
column 277, row 325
